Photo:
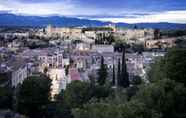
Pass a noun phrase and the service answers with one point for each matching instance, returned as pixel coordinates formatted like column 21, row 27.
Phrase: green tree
column 156, row 71
column 103, row 109
column 77, row 93
column 113, row 76
column 119, row 73
column 136, row 80
column 166, row 97
column 175, row 63
column 124, row 74
column 5, row 98
column 102, row 72
column 172, row 66
column 34, row 95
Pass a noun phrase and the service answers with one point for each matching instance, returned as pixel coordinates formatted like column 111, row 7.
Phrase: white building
column 102, row 48
column 59, row 80
column 140, row 35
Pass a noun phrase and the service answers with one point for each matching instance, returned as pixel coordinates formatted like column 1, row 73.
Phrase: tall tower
column 49, row 30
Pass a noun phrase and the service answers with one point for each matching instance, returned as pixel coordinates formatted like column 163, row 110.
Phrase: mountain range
column 7, row 19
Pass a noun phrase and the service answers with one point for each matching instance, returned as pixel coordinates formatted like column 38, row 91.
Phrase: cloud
column 36, row 8
column 100, row 10
column 178, row 16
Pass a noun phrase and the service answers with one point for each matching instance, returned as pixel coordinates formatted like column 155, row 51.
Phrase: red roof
column 74, row 74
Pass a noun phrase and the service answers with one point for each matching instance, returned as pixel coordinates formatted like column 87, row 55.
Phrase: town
column 67, row 54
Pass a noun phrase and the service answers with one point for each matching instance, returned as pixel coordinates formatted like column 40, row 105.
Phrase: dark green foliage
column 172, row 66
column 5, row 98
column 156, row 34
column 119, row 73
column 77, row 94
column 34, row 95
column 102, row 73
column 173, row 33
column 133, row 109
column 113, row 76
column 124, row 74
column 175, row 65
column 166, row 97
column 66, row 69
column 136, row 80
column 162, row 99
column 4, row 78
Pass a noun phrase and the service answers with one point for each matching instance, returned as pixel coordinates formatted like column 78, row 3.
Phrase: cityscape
column 75, row 59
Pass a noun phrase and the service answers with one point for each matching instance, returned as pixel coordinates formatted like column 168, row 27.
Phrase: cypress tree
column 119, row 73
column 124, row 73
column 102, row 73
column 113, row 79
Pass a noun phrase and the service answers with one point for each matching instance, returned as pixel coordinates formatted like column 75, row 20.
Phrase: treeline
column 173, row 33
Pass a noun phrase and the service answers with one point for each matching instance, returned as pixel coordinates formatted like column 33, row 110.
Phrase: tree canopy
column 34, row 95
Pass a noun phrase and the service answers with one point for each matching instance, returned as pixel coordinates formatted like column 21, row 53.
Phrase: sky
column 128, row 11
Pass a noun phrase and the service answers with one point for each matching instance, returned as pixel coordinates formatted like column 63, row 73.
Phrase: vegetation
column 172, row 66
column 113, row 76
column 102, row 72
column 173, row 33
column 124, row 74
column 34, row 95
column 5, row 98
column 119, row 72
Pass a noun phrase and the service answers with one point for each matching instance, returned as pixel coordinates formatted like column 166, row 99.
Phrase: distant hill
column 60, row 21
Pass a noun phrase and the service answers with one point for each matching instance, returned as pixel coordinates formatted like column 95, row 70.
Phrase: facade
column 161, row 43
column 59, row 80
column 103, row 48
column 17, row 70
column 63, row 31
column 46, row 58
column 135, row 35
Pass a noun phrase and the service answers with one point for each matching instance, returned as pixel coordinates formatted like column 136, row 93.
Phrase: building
column 161, row 43
column 135, row 35
column 102, row 48
column 17, row 69
column 74, row 74
column 47, row 58
column 64, row 31
column 59, row 80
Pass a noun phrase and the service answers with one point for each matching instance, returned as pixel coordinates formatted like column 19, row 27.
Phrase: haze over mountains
column 7, row 19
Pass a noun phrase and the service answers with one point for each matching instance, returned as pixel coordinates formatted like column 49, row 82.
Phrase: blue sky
column 129, row 11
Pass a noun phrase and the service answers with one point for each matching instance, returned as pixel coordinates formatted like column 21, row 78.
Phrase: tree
column 156, row 71
column 119, row 73
column 34, row 95
column 171, row 66
column 109, row 109
column 45, row 70
column 165, row 97
column 77, row 93
column 175, row 63
column 124, row 73
column 156, row 34
column 136, row 80
column 102, row 72
column 113, row 78
column 5, row 98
